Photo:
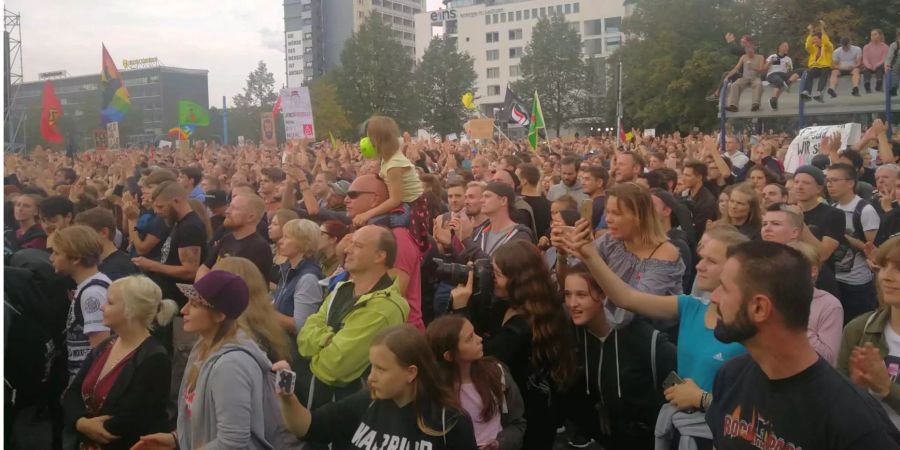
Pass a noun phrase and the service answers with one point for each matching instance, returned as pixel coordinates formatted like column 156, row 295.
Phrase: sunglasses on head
column 355, row 194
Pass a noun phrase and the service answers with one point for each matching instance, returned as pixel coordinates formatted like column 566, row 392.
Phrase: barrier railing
column 723, row 94
column 801, row 107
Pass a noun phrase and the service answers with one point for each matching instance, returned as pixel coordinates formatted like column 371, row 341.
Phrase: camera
column 456, row 274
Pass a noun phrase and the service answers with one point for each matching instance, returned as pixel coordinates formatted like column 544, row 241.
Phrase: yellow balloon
column 468, row 100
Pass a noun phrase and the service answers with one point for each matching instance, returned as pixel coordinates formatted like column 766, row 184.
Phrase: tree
column 328, row 114
column 553, row 67
column 375, row 76
column 443, row 76
column 260, row 89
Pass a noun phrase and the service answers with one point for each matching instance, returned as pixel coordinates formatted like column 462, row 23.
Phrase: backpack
column 844, row 256
column 35, row 309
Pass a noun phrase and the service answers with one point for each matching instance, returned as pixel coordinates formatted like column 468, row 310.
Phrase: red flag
column 277, row 107
column 52, row 111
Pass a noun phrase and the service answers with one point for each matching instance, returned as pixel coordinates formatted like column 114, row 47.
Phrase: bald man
column 241, row 219
column 367, row 192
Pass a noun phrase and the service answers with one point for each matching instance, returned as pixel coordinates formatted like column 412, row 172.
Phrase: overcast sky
column 226, row 37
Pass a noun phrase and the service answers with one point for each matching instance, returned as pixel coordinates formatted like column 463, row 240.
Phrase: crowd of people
column 825, row 65
column 662, row 293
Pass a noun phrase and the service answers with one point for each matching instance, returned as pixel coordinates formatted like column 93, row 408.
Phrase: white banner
column 296, row 107
column 165, row 144
column 112, row 135
column 806, row 145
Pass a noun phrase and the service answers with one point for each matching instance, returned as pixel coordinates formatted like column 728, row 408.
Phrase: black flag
column 515, row 110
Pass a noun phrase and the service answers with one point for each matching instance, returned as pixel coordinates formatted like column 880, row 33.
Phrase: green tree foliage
column 553, row 66
column 376, row 76
column 443, row 76
column 260, row 89
column 675, row 53
column 328, row 114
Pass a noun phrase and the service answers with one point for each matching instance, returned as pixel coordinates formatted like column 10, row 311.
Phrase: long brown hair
column 411, row 349
column 259, row 318
column 755, row 213
column 530, row 289
column 443, row 336
column 637, row 202
column 226, row 333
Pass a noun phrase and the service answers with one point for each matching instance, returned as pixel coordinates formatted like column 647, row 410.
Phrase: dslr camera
column 456, row 274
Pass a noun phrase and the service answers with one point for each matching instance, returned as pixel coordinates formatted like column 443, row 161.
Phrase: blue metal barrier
column 723, row 93
column 800, row 107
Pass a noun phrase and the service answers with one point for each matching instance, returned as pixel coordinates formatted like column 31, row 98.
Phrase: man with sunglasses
column 365, row 193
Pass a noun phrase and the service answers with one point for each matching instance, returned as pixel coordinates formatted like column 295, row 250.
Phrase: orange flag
column 52, row 111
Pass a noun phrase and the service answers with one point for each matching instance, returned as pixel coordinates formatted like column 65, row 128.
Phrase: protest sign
column 296, row 107
column 806, row 145
column 267, row 127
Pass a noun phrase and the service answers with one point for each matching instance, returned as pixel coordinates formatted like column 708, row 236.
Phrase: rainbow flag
column 116, row 101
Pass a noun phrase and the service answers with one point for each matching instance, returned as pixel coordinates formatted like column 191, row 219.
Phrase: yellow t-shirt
column 412, row 186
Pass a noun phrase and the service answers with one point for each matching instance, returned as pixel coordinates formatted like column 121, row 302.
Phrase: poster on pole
column 112, row 135
column 267, row 127
column 296, row 107
column 806, row 144
column 165, row 144
column 100, row 142
column 482, row 128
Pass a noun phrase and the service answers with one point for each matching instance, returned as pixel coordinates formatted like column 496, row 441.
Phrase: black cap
column 812, row 171
column 216, row 198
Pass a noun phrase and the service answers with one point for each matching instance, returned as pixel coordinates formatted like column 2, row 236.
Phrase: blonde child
column 405, row 190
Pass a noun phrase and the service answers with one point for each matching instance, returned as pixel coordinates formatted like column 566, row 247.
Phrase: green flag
column 537, row 121
column 190, row 113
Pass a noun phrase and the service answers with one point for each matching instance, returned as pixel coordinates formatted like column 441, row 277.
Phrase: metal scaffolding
column 13, row 78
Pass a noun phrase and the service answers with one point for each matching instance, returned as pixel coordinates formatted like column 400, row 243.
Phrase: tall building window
column 515, row 52
column 612, row 43
column 518, row 16
column 492, row 36
column 510, row 16
column 612, row 24
column 487, row 19
column 515, row 71
column 527, row 14
column 543, row 12
column 568, row 9
column 534, row 13
column 493, row 55
column 593, row 27
column 515, row 35
column 493, row 72
column 493, row 89
column 576, row 8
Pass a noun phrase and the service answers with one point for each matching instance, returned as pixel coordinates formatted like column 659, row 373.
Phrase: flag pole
column 224, row 121
column 620, row 110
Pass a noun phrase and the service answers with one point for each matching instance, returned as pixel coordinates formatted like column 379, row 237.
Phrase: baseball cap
column 340, row 187
column 216, row 198
column 219, row 290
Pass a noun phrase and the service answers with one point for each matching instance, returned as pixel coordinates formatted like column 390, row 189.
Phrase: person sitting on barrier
column 779, row 74
column 892, row 63
column 873, row 56
column 846, row 60
column 752, row 65
column 820, row 49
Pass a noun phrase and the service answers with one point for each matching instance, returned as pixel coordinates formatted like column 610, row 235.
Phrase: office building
column 496, row 33
column 316, row 30
column 154, row 90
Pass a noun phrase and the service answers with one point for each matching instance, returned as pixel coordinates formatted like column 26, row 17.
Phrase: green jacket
column 338, row 357
column 868, row 328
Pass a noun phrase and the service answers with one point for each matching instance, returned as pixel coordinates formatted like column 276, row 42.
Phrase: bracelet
column 175, row 438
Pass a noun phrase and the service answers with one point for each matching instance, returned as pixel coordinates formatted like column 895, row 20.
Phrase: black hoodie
column 371, row 424
column 623, row 381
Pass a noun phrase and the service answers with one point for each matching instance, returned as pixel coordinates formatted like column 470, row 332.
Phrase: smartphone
column 285, row 381
column 671, row 380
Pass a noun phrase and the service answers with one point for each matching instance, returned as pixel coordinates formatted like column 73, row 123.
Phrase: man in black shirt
column 217, row 202
column 782, row 394
column 183, row 249
column 241, row 218
column 825, row 225
column 530, row 177
column 706, row 206
column 114, row 263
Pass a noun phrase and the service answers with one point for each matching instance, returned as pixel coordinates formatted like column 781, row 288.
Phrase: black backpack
column 36, row 307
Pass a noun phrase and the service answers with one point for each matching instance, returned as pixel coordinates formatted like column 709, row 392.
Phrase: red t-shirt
column 409, row 260
column 95, row 389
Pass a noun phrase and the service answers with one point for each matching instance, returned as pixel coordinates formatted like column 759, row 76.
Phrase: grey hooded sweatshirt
column 229, row 406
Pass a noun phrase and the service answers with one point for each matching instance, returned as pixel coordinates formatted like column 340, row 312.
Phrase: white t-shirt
column 846, row 59
column 784, row 65
column 92, row 298
column 860, row 273
column 892, row 362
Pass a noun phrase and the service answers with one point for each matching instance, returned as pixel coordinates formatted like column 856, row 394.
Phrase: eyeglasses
column 835, row 180
column 355, row 194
